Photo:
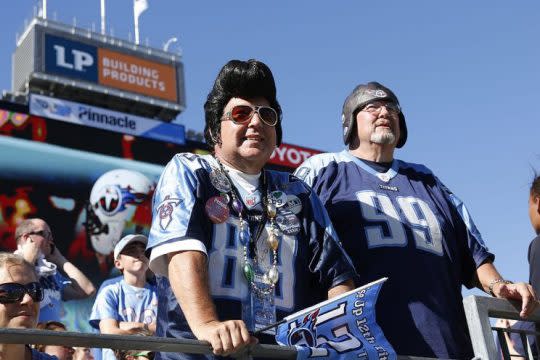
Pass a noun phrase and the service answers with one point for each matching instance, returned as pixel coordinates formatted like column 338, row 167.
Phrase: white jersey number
column 413, row 212
column 226, row 259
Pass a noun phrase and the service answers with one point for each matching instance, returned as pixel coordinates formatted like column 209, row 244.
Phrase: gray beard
column 383, row 138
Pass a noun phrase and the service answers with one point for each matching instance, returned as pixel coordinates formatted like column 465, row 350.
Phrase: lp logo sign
column 81, row 59
column 71, row 59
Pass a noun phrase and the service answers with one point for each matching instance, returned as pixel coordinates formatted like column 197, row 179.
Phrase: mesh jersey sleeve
column 177, row 209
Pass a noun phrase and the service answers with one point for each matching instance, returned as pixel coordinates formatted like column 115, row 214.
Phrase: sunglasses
column 376, row 107
column 241, row 114
column 14, row 292
column 43, row 233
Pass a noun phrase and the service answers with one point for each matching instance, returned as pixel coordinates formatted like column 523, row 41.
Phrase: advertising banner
column 137, row 75
column 71, row 59
column 105, row 119
column 291, row 155
column 74, row 59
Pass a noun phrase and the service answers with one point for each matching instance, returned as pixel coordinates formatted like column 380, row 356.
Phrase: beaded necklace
column 250, row 259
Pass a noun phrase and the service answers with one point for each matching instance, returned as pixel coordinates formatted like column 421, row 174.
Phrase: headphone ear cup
column 402, row 131
column 347, row 121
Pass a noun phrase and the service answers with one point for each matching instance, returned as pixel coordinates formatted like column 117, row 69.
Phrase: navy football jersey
column 309, row 263
column 404, row 224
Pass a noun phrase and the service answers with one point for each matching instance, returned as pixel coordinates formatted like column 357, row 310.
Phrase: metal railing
column 479, row 310
column 134, row 342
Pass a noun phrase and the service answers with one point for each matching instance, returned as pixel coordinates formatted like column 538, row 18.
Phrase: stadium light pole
column 139, row 6
column 168, row 43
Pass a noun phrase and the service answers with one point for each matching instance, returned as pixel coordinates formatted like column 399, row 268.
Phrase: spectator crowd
column 236, row 247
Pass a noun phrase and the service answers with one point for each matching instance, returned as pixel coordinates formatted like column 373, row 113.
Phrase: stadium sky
column 464, row 71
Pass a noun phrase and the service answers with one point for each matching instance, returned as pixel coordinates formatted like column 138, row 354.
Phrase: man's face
column 20, row 314
column 378, row 122
column 133, row 258
column 60, row 351
column 248, row 146
column 41, row 235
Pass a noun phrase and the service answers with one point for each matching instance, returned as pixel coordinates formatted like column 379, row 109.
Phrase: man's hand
column 81, row 287
column 30, row 251
column 55, row 256
column 225, row 337
column 518, row 291
column 188, row 276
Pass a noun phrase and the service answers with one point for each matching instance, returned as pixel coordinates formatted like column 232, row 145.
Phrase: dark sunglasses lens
column 10, row 293
column 268, row 115
column 45, row 234
column 36, row 291
column 241, row 113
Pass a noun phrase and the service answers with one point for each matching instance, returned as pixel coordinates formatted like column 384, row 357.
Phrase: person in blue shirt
column 61, row 279
column 398, row 220
column 236, row 247
column 128, row 306
column 20, row 295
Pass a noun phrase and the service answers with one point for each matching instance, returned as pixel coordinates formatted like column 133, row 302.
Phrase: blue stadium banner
column 71, row 58
column 343, row 327
column 105, row 119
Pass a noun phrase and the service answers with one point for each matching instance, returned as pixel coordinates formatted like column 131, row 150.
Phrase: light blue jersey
column 126, row 303
column 310, row 260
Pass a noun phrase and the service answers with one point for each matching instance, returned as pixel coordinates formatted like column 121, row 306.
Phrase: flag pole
column 136, row 20
column 102, row 17
column 255, row 333
column 44, row 8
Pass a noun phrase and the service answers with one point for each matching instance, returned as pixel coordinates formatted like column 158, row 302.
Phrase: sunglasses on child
column 241, row 114
column 14, row 292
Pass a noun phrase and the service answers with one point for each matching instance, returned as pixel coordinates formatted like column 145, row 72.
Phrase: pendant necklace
column 249, row 241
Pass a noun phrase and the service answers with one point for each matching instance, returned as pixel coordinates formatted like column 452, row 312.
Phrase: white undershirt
column 247, row 182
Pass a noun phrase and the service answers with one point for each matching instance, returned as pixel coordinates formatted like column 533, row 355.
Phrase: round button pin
column 217, row 209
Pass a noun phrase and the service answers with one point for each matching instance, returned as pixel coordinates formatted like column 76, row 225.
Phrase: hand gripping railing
column 478, row 310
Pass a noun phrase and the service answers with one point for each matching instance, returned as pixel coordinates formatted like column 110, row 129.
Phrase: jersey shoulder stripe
column 311, row 168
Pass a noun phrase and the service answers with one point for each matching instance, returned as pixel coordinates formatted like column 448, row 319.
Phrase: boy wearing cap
column 130, row 305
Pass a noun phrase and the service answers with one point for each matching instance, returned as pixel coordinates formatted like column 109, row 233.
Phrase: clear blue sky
column 466, row 73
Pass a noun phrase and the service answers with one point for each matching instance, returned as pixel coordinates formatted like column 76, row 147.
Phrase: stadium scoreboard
column 54, row 59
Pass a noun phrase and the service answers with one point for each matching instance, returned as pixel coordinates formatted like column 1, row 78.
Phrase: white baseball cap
column 128, row 239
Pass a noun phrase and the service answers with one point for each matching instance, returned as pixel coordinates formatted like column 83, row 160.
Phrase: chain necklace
column 251, row 261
